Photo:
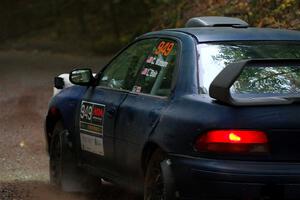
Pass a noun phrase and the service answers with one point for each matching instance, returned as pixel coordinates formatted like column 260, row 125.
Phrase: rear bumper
column 210, row 178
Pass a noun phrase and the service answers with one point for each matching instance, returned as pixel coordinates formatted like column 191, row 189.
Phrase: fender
column 63, row 106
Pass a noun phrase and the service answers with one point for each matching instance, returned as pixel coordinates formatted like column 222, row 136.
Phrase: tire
column 55, row 162
column 156, row 185
column 63, row 169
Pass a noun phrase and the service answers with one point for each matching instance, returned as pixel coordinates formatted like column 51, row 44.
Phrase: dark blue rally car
column 208, row 111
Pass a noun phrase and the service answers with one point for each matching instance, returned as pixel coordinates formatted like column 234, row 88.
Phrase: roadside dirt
column 25, row 89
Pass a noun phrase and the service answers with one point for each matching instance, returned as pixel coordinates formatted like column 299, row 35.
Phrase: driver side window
column 122, row 72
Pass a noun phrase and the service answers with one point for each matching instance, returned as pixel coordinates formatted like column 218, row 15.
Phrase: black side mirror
column 82, row 77
column 59, row 83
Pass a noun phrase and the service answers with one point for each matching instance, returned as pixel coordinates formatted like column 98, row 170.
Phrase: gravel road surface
column 25, row 88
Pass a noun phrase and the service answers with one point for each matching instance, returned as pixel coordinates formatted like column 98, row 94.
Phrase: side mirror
column 82, row 77
column 242, row 73
column 59, row 83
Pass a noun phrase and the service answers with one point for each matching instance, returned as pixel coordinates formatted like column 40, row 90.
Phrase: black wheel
column 63, row 169
column 156, row 186
column 55, row 163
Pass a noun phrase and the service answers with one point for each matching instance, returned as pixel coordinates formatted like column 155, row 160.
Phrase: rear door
column 143, row 106
column 100, row 107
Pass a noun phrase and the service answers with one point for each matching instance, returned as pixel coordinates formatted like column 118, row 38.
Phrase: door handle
column 111, row 112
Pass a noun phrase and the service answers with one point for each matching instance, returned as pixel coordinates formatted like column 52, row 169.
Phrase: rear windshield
column 216, row 56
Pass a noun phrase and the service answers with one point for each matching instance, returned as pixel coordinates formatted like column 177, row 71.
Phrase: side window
column 155, row 76
column 122, row 72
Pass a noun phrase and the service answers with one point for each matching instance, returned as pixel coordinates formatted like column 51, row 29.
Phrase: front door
column 98, row 114
column 100, row 107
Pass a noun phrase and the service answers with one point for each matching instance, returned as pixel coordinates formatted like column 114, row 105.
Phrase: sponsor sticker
column 137, row 89
column 148, row 72
column 92, row 144
column 91, row 127
column 157, row 61
column 164, row 48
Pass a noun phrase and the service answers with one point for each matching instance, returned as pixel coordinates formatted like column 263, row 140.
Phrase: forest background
column 103, row 26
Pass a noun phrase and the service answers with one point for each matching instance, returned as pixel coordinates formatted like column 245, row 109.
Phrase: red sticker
column 98, row 112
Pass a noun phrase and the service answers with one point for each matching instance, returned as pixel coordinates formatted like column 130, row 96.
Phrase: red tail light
column 233, row 141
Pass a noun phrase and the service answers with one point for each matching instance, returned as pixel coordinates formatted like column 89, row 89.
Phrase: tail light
column 233, row 141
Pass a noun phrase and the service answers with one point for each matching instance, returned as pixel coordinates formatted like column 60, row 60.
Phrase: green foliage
column 106, row 25
column 262, row 13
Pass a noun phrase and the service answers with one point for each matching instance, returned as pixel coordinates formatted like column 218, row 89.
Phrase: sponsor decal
column 91, row 127
column 137, row 89
column 92, row 144
column 151, row 60
column 164, row 48
column 161, row 63
column 148, row 72
column 156, row 61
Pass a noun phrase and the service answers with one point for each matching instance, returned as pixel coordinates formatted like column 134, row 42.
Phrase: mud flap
column 168, row 179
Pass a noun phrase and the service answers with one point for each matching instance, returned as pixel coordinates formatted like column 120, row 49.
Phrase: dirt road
column 25, row 89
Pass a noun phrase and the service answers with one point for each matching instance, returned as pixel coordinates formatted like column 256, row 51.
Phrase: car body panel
column 67, row 103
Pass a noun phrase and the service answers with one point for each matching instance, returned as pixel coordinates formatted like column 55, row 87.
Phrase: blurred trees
column 262, row 13
column 105, row 25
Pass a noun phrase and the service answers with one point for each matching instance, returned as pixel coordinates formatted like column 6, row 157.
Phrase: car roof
column 218, row 34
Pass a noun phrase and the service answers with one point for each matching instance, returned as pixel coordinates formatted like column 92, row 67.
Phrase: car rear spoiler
column 220, row 87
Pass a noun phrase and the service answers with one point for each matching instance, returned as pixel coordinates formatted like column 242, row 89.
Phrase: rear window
column 261, row 80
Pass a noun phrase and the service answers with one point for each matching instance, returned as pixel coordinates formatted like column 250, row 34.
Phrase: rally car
column 202, row 112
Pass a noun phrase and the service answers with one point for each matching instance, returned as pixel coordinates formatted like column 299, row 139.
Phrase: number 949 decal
column 164, row 48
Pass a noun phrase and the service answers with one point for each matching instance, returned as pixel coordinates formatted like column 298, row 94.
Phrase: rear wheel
column 156, row 187
column 55, row 162
column 63, row 169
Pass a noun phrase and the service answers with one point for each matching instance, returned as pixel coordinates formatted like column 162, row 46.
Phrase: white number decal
column 86, row 112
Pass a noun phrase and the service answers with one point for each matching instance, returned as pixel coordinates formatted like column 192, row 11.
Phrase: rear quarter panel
column 192, row 115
